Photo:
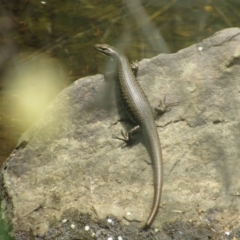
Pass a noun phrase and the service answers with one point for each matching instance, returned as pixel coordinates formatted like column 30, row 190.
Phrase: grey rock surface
column 68, row 173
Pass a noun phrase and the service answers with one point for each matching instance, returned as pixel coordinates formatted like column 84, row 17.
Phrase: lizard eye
column 107, row 50
column 104, row 49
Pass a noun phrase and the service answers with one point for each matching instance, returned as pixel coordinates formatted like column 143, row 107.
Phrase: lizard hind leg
column 127, row 137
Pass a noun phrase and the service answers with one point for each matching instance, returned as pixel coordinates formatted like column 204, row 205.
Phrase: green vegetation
column 4, row 235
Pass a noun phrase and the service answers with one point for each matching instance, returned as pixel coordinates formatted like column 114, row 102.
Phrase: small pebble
column 87, row 228
column 227, row 233
column 110, row 220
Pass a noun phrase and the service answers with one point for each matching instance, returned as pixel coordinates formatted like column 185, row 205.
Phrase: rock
column 68, row 179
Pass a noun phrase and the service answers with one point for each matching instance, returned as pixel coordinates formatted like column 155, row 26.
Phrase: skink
column 140, row 113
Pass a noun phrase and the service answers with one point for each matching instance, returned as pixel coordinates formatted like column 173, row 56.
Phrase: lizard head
column 106, row 50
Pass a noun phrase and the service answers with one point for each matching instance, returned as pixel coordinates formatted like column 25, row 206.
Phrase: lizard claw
column 165, row 107
column 125, row 137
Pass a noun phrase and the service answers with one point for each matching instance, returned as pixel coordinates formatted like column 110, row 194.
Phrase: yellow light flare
column 31, row 85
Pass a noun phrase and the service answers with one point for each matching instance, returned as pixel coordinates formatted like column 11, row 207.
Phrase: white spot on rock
column 227, row 233
column 110, row 220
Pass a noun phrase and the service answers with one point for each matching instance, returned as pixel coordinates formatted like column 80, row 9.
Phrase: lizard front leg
column 163, row 107
column 134, row 67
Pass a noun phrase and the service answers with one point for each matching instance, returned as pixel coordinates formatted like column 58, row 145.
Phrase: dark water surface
column 46, row 45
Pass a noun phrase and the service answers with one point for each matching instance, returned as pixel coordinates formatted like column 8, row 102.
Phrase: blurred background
column 46, row 45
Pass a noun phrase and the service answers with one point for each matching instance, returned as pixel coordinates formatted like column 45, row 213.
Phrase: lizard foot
column 125, row 137
column 165, row 107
